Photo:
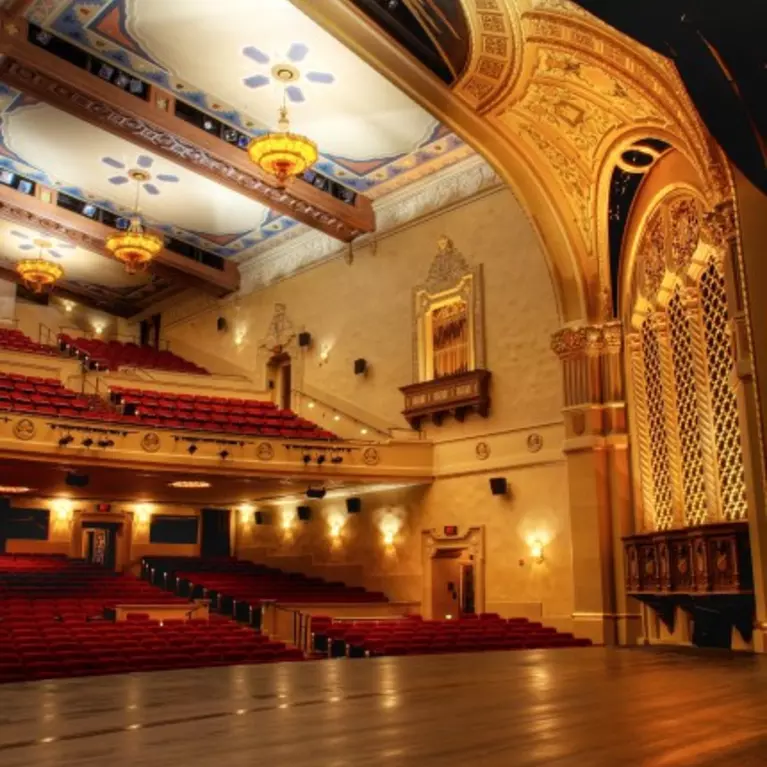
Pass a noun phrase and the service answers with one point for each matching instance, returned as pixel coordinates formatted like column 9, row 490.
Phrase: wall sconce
column 143, row 512
column 98, row 328
column 336, row 522
column 246, row 514
column 63, row 509
column 324, row 354
column 288, row 520
column 239, row 337
column 68, row 306
column 536, row 550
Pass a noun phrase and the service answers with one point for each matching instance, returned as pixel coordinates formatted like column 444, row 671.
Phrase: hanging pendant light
column 38, row 273
column 135, row 247
column 282, row 154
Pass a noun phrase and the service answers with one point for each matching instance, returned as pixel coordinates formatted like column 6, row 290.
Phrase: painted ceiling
column 221, row 57
column 100, row 279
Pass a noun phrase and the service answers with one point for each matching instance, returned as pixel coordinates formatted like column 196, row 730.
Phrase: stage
column 511, row 709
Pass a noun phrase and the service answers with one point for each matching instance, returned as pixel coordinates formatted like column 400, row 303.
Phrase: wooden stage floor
column 555, row 707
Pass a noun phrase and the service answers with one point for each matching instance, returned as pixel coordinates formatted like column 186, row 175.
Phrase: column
column 596, row 450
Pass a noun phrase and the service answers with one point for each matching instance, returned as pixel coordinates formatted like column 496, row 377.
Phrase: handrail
column 300, row 631
column 301, row 395
column 10, row 320
column 45, row 335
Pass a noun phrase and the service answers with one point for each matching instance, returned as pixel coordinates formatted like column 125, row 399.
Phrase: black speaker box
column 354, row 505
column 316, row 492
column 304, row 339
column 360, row 367
column 498, row 485
column 263, row 518
column 77, row 480
column 304, row 513
column 222, row 325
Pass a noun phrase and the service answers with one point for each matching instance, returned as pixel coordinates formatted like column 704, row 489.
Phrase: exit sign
column 103, row 508
column 450, row 529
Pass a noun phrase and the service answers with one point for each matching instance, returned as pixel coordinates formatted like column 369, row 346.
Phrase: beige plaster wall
column 365, row 310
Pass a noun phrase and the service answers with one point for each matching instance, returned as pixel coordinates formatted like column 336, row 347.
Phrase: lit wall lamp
column 63, row 508
column 536, row 550
column 324, row 354
column 246, row 514
column 143, row 513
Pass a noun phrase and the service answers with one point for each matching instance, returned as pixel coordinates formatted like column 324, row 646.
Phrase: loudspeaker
column 222, row 325
column 77, row 480
column 316, row 492
column 304, row 339
column 263, row 518
column 360, row 367
column 304, row 513
column 498, row 485
column 354, row 505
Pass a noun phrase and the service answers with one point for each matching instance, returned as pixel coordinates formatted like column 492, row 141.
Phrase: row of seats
column 53, row 625
column 49, row 397
column 13, row 340
column 113, row 355
column 414, row 636
column 204, row 413
column 247, row 582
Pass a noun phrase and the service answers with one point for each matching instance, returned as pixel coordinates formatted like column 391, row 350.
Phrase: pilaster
column 596, row 450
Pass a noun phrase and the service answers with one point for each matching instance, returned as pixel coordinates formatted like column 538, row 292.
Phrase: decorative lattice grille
column 690, row 440
column 656, row 418
column 732, row 482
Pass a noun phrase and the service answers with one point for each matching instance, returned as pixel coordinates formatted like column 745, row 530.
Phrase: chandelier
column 38, row 273
column 283, row 155
column 135, row 247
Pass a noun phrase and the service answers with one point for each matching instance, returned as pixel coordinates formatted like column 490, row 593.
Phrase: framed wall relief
column 448, row 341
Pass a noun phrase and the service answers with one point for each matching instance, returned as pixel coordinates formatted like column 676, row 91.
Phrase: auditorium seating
column 113, row 355
column 43, row 396
column 52, row 625
column 48, row 397
column 14, row 340
column 203, row 413
column 247, row 582
column 415, row 636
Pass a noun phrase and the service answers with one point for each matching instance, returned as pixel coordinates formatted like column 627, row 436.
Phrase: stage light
column 320, row 459
column 89, row 210
column 306, row 458
column 224, row 454
column 43, row 38
column 136, row 86
column 104, row 443
column 192, row 449
column 26, row 187
column 122, row 80
column 87, row 442
column 337, row 459
column 106, row 72
column 67, row 440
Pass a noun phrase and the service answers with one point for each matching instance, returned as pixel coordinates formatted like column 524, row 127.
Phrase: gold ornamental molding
column 552, row 98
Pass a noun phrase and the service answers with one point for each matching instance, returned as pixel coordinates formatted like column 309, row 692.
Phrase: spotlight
column 136, row 86
column 104, row 443
column 87, row 442
column 208, row 125
column 89, row 210
column 337, row 459
column 122, row 80
column 224, row 454
column 26, row 187
column 64, row 441
column 106, row 72
column 192, row 449
column 230, row 135
column 320, row 459
column 306, row 458
column 43, row 38
column 243, row 142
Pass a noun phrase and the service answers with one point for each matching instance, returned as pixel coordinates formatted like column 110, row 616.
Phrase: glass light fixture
column 135, row 247
column 38, row 274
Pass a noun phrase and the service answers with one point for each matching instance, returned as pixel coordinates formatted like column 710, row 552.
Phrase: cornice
column 456, row 184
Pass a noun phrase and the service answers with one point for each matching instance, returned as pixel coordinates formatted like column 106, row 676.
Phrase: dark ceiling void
column 720, row 50
column 433, row 31
column 626, row 179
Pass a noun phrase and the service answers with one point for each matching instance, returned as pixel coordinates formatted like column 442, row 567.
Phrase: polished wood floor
column 591, row 707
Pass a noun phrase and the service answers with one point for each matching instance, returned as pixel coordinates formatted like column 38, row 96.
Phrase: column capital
column 719, row 224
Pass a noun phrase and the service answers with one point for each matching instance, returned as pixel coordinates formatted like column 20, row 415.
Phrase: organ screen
column 450, row 339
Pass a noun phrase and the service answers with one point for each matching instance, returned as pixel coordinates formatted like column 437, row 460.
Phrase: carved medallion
column 264, row 451
column 534, row 442
column 482, row 450
column 447, row 268
column 150, row 442
column 371, row 457
column 24, row 429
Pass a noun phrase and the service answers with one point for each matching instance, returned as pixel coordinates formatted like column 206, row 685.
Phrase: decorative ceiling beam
column 153, row 126
column 43, row 215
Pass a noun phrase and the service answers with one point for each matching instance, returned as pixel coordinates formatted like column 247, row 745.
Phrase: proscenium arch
column 556, row 230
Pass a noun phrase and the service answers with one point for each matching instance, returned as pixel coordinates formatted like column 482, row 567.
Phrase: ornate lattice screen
column 690, row 441
column 729, row 458
column 663, row 511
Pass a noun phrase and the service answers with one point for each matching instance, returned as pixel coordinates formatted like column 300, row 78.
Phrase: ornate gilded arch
column 549, row 96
